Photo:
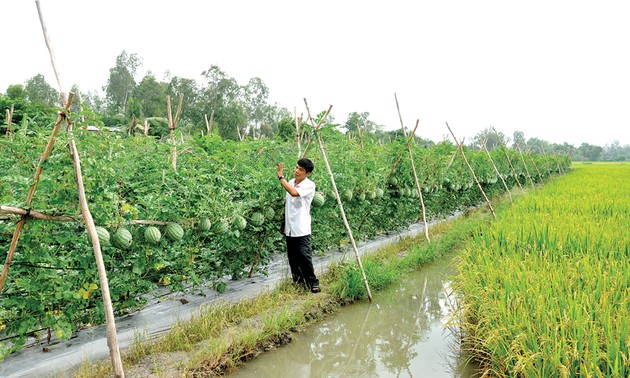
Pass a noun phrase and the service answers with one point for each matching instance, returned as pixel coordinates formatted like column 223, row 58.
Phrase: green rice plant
column 545, row 290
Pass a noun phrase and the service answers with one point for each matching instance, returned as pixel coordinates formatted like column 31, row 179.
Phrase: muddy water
column 402, row 334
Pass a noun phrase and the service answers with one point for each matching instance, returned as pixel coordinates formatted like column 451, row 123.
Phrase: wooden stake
column 34, row 214
column 62, row 93
column 485, row 147
column 297, row 132
column 415, row 175
column 473, row 173
column 338, row 197
column 315, row 128
column 29, row 198
column 455, row 153
column 9, row 118
column 345, row 219
column 536, row 168
column 508, row 160
column 525, row 165
column 173, row 125
column 112, row 338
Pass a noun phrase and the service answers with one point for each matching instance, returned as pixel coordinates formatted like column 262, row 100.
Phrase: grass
column 546, row 288
column 224, row 335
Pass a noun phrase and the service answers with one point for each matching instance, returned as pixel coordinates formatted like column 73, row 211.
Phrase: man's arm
column 285, row 184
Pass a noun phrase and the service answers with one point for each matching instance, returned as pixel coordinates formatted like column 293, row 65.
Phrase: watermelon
column 152, row 235
column 257, row 219
column 221, row 227
column 379, row 193
column 174, row 232
column 331, row 195
column 393, row 181
column 103, row 235
column 122, row 239
column 269, row 213
column 318, row 199
column 204, row 225
column 240, row 222
column 347, row 195
column 372, row 194
column 361, row 196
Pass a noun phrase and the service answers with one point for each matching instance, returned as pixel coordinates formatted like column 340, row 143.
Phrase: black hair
column 306, row 164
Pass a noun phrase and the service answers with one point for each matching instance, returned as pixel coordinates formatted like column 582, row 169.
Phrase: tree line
column 234, row 111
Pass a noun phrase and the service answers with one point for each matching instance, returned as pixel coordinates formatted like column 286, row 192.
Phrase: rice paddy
column 546, row 288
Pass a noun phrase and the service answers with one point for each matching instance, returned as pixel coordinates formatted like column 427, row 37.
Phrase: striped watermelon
column 257, row 219
column 379, row 193
column 122, row 239
column 318, row 199
column 347, row 195
column 269, row 213
column 152, row 235
column 204, row 224
column 174, row 232
column 103, row 235
column 240, row 222
column 221, row 227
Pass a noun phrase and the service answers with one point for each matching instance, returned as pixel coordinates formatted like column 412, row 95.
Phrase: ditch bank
column 60, row 358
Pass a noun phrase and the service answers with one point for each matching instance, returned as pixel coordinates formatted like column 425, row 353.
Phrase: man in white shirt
column 297, row 222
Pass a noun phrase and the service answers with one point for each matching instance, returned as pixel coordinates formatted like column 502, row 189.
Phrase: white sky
column 556, row 70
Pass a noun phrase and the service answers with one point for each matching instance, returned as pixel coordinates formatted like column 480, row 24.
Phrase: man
column 297, row 222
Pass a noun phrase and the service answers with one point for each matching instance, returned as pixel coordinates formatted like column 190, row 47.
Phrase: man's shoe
column 315, row 289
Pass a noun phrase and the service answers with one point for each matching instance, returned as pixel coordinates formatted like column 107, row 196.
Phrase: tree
column 221, row 93
column 255, row 96
column 16, row 91
column 121, row 81
column 519, row 139
column 39, row 91
column 151, row 97
column 538, row 146
column 490, row 137
column 590, row 152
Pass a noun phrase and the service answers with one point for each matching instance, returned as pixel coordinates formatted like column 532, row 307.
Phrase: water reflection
column 401, row 335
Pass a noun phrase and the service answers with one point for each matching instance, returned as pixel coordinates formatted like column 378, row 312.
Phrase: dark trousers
column 299, row 254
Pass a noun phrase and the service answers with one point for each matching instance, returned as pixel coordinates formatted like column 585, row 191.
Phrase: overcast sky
column 556, row 70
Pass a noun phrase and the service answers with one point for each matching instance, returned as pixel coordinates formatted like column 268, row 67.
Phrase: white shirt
column 297, row 210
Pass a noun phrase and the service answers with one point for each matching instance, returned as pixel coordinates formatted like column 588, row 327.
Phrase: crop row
column 224, row 198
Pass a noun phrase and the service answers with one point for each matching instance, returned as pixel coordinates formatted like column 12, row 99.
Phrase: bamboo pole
column 459, row 146
column 535, row 167
column 29, row 198
column 402, row 126
column 315, row 128
column 345, row 219
column 525, row 165
column 62, row 93
column 473, row 173
column 173, row 125
column 34, row 214
column 546, row 160
column 415, row 175
column 112, row 338
column 297, row 132
column 485, row 147
column 9, row 118
column 508, row 160
column 338, row 197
